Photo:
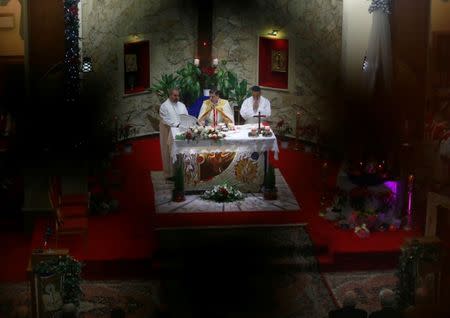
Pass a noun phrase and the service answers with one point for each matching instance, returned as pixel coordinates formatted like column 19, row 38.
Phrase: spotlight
column 273, row 33
column 86, row 67
column 365, row 63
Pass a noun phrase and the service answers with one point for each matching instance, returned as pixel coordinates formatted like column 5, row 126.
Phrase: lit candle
column 196, row 62
column 215, row 61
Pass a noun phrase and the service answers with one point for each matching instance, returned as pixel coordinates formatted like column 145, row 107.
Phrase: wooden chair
column 70, row 212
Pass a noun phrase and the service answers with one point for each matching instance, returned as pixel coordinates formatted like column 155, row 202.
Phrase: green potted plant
column 164, row 85
column 188, row 80
column 282, row 129
column 270, row 188
column 178, row 189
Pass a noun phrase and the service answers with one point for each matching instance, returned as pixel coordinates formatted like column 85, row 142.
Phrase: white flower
column 195, row 131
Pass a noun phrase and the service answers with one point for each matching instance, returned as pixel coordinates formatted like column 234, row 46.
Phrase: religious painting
column 244, row 171
column 136, row 66
column 273, row 63
column 131, row 63
column 279, row 61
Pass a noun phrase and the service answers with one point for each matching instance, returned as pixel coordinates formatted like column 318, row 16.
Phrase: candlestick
column 408, row 225
column 297, row 132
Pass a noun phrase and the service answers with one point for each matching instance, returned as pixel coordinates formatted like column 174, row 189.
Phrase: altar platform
column 122, row 244
column 252, row 202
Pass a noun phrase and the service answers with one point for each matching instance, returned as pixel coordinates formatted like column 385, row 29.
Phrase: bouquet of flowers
column 200, row 132
column 223, row 193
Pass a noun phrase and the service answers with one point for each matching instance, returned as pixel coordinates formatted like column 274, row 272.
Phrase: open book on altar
column 187, row 121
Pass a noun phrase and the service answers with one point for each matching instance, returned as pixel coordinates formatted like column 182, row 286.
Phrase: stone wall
column 170, row 25
column 313, row 26
column 315, row 29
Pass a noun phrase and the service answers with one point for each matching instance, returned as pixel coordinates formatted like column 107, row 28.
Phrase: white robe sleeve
column 227, row 110
column 202, row 110
column 267, row 109
column 184, row 109
column 246, row 109
column 167, row 116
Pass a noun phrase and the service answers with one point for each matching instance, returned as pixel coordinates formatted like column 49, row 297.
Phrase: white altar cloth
column 234, row 141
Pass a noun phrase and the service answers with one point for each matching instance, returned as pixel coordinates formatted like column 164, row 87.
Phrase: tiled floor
column 193, row 203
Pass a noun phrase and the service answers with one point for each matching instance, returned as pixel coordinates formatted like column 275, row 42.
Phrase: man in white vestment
column 169, row 114
column 254, row 105
column 215, row 110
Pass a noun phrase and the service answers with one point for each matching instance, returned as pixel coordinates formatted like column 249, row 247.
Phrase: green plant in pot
column 270, row 188
column 239, row 93
column 189, row 83
column 178, row 189
column 227, row 80
column 164, row 85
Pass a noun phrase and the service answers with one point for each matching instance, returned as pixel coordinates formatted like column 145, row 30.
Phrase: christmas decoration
column 412, row 254
column 70, row 269
column 72, row 50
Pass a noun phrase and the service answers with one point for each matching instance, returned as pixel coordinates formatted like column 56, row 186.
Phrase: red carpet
column 125, row 239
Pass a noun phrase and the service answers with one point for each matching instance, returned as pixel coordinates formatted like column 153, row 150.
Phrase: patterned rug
column 240, row 247
column 366, row 285
column 253, row 201
column 287, row 294
column 135, row 297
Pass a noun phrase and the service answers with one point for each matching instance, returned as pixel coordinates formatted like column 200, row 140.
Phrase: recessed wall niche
column 136, row 66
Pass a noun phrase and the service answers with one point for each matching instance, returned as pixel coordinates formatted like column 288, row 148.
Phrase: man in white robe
column 215, row 110
column 254, row 105
column 169, row 114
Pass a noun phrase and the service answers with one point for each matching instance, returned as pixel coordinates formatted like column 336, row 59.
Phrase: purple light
column 393, row 186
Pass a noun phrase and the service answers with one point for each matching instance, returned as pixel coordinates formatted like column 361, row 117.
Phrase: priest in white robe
column 215, row 110
column 169, row 114
column 254, row 105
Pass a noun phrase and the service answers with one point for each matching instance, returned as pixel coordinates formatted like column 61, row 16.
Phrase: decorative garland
column 223, row 193
column 384, row 5
column 72, row 50
column 71, row 271
column 406, row 273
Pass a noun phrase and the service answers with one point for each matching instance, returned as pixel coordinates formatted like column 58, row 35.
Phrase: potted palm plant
column 164, row 85
column 188, row 80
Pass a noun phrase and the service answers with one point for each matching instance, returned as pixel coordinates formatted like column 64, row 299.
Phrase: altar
column 237, row 159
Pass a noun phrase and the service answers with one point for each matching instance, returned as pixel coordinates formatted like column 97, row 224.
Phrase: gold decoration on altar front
column 214, row 164
column 279, row 61
column 246, row 170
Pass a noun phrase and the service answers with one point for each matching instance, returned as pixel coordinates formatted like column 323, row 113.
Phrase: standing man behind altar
column 254, row 105
column 169, row 114
column 215, row 110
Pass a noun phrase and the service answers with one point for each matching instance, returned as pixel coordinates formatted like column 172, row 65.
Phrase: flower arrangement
column 223, row 193
column 200, row 132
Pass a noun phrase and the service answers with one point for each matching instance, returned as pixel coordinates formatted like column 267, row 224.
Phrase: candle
column 215, row 61
column 196, row 62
